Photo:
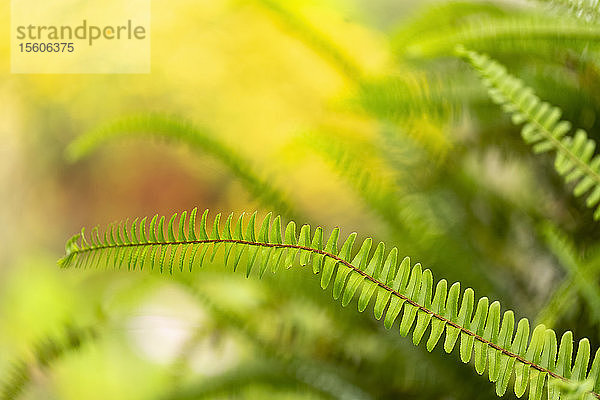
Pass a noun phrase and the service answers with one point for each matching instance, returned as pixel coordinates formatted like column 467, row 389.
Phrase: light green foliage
column 404, row 293
column 544, row 130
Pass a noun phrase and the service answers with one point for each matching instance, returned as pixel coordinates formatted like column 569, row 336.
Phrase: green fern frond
column 418, row 105
column 226, row 385
column 315, row 39
column 442, row 16
column 198, row 138
column 399, row 290
column 531, row 35
column 396, row 100
column 588, row 10
column 45, row 352
column 544, row 130
column 577, row 272
column 404, row 211
column 319, row 376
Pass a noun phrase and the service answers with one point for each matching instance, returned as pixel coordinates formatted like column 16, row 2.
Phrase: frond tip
column 543, row 129
column 401, row 291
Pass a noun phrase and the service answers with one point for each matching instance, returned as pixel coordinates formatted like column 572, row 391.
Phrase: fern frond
column 198, row 138
column 578, row 274
column 321, row 377
column 315, row 39
column 444, row 16
column 418, row 105
column 45, row 352
column 531, row 35
column 404, row 211
column 400, row 291
column 398, row 100
column 543, row 129
column 588, row 10
column 226, row 385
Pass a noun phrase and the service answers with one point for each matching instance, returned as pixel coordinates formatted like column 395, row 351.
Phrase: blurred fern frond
column 198, row 138
column 544, row 130
column 540, row 35
column 263, row 373
column 359, row 163
column 401, row 290
column 588, row 10
column 287, row 367
column 418, row 106
column 400, row 100
column 579, row 276
column 45, row 351
column 444, row 15
column 314, row 39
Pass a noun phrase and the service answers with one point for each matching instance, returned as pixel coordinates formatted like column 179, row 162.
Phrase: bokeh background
column 359, row 116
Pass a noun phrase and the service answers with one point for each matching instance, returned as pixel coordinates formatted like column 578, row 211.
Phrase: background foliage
column 338, row 113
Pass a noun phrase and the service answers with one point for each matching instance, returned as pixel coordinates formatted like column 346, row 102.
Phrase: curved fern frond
column 400, row 291
column 587, row 10
column 45, row 352
column 579, row 276
column 543, row 129
column 315, row 39
column 176, row 129
column 407, row 100
column 533, row 35
column 444, row 15
column 419, row 106
column 407, row 213
column 228, row 384
column 319, row 376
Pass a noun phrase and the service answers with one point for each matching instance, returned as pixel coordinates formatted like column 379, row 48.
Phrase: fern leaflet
column 401, row 291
